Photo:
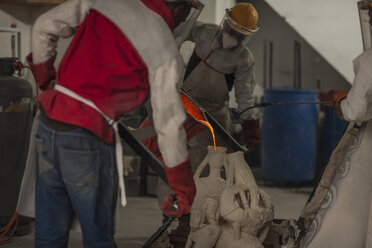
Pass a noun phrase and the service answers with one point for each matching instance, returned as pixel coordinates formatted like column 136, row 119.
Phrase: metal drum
column 289, row 136
column 332, row 131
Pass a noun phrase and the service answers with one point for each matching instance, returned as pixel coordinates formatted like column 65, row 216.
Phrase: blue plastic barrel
column 333, row 129
column 289, row 136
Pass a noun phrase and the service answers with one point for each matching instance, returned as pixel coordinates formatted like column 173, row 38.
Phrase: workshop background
column 304, row 48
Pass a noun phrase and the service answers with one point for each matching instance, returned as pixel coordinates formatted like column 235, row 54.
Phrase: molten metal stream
column 212, row 131
column 197, row 114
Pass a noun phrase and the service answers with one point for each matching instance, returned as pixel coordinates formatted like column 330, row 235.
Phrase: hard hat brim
column 239, row 28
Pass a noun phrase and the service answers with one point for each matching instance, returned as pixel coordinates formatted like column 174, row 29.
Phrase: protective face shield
column 230, row 37
column 229, row 41
column 365, row 13
column 237, row 26
column 183, row 30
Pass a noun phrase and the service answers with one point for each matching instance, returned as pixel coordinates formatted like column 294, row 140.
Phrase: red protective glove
column 251, row 132
column 336, row 97
column 180, row 180
column 44, row 72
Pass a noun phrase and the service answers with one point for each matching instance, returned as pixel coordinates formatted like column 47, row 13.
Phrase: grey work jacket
column 218, row 70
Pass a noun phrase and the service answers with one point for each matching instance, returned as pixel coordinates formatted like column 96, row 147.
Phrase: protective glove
column 251, row 132
column 180, row 180
column 336, row 97
column 44, row 72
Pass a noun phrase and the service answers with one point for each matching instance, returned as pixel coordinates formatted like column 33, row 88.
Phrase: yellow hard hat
column 243, row 18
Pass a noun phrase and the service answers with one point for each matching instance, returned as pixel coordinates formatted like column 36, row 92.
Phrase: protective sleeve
column 61, row 21
column 244, row 84
column 168, row 112
column 357, row 106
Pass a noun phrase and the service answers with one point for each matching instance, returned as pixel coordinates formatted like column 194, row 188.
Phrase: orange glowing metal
column 197, row 114
column 192, row 108
column 212, row 131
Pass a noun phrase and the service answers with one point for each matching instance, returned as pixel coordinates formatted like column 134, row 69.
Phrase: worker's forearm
column 357, row 106
column 244, row 85
column 168, row 112
column 245, row 99
column 352, row 111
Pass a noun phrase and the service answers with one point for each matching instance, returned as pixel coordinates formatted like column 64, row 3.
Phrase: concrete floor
column 140, row 219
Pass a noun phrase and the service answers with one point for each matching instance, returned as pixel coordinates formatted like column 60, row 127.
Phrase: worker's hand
column 336, row 97
column 44, row 72
column 180, row 180
column 251, row 132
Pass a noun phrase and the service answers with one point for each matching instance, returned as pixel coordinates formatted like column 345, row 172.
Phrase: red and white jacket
column 122, row 51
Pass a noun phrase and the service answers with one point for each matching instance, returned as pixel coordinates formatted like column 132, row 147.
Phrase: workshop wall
column 295, row 63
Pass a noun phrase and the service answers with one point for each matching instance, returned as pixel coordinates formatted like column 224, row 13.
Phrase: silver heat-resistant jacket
column 344, row 217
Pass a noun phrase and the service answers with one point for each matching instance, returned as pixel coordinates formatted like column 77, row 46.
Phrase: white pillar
column 221, row 6
column 214, row 10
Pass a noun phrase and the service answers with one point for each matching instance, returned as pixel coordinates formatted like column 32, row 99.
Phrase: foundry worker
column 121, row 52
column 221, row 61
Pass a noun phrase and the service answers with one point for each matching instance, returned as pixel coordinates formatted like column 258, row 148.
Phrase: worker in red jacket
column 121, row 52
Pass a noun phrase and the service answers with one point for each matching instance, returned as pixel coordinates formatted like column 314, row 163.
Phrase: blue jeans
column 77, row 175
